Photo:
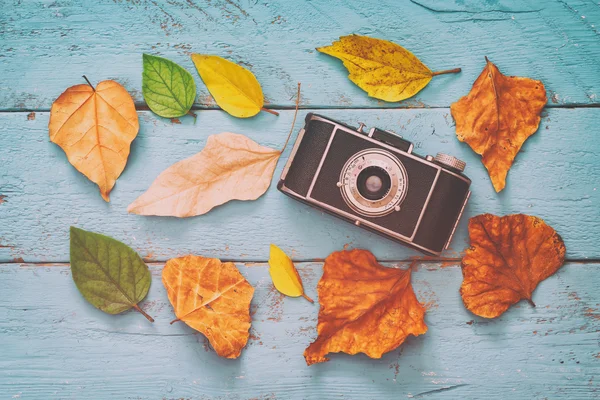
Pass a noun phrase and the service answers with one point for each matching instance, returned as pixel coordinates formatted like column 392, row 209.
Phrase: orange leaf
column 231, row 166
column 95, row 128
column 496, row 118
column 508, row 258
column 365, row 307
column 213, row 298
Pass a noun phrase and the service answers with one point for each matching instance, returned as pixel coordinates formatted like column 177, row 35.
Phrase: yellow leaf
column 383, row 69
column 234, row 88
column 231, row 166
column 95, row 128
column 284, row 274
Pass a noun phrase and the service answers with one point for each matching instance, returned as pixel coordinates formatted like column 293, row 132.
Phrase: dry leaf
column 496, row 118
column 365, row 307
column 508, row 258
column 235, row 89
column 383, row 69
column 284, row 274
column 230, row 167
column 95, row 128
column 213, row 298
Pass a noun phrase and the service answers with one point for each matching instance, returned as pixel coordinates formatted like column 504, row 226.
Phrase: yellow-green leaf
column 234, row 88
column 383, row 69
column 284, row 274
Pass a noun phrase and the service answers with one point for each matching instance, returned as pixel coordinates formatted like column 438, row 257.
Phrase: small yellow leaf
column 284, row 274
column 383, row 69
column 234, row 88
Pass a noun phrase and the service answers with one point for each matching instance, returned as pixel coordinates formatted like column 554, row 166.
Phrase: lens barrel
column 373, row 183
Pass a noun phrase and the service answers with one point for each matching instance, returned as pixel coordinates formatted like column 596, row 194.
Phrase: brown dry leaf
column 231, row 166
column 508, row 258
column 365, row 307
column 95, row 128
column 496, row 118
column 213, row 298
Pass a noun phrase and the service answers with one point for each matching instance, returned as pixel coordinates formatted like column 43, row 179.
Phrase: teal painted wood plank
column 46, row 46
column 56, row 345
column 556, row 177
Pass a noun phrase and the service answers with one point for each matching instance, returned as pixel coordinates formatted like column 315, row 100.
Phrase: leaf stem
column 175, row 320
column 269, row 111
column 293, row 121
column 193, row 114
column 446, row 71
column 531, row 302
column 89, row 83
column 138, row 309
column 307, row 298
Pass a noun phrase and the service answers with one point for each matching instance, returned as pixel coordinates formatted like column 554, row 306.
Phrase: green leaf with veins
column 168, row 89
column 108, row 273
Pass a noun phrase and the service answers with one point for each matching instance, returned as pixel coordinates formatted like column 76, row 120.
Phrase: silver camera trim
column 357, row 219
column 399, row 186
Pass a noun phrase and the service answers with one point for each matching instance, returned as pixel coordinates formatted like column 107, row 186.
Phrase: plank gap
column 313, row 260
column 144, row 107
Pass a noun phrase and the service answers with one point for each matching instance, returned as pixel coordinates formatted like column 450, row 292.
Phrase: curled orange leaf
column 509, row 256
column 496, row 118
column 365, row 307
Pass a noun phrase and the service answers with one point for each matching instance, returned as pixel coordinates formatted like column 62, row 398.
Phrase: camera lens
column 373, row 183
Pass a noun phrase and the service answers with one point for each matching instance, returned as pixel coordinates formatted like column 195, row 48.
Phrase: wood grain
column 555, row 177
column 45, row 46
column 56, row 345
column 53, row 344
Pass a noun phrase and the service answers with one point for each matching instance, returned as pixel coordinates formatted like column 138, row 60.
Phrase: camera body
column 375, row 181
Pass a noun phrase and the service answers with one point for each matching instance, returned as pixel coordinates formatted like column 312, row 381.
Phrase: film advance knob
column 450, row 161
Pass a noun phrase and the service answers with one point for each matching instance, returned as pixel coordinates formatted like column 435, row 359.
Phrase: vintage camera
column 375, row 181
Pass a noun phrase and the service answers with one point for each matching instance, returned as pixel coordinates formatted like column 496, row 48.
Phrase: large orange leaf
column 365, row 307
column 231, row 166
column 508, row 258
column 95, row 128
column 496, row 118
column 213, row 298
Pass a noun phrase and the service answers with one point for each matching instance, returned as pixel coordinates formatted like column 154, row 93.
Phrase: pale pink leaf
column 230, row 167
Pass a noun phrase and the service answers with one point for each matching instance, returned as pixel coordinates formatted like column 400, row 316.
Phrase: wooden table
column 54, row 345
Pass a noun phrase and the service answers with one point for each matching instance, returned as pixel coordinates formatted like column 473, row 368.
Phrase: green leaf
column 168, row 89
column 108, row 273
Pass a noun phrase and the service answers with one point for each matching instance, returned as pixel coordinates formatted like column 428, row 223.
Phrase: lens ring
column 367, row 164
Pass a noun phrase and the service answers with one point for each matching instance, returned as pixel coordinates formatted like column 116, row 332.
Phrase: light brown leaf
column 95, row 128
column 365, row 307
column 213, row 298
column 496, row 118
column 508, row 258
column 231, row 166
